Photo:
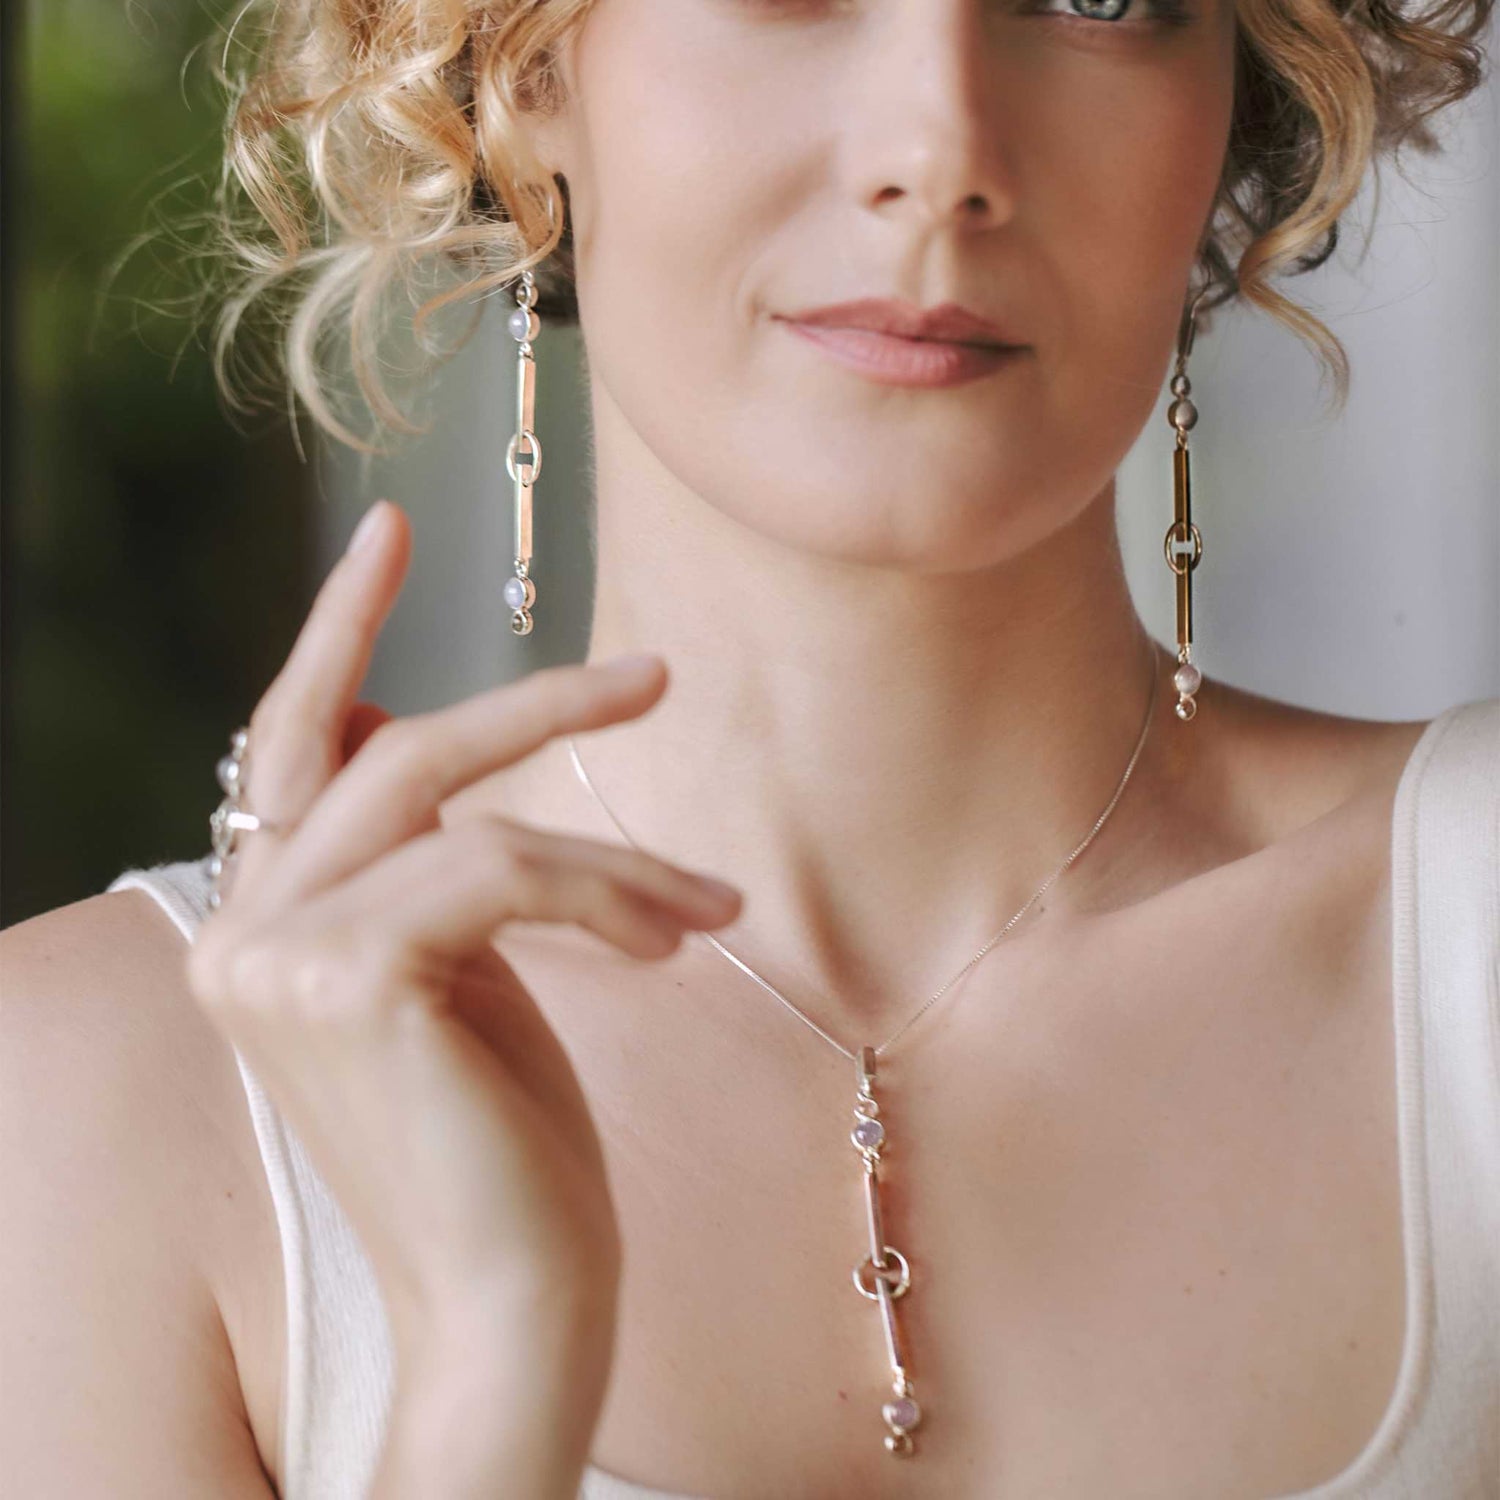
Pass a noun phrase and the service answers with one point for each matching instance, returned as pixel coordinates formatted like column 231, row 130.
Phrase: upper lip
column 948, row 321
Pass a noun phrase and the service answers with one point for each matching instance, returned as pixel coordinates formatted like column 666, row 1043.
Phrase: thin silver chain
column 933, row 999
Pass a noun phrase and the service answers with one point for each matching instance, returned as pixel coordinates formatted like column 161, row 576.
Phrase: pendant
column 883, row 1275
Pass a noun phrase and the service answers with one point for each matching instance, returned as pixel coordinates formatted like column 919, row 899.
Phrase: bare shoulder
column 125, row 1178
column 1291, row 768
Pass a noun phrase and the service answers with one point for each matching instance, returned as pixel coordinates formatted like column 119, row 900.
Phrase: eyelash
column 1162, row 12
column 1168, row 13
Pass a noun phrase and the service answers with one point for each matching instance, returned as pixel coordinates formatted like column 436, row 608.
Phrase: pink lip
column 891, row 359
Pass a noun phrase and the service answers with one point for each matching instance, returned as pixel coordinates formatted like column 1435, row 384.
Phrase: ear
column 544, row 112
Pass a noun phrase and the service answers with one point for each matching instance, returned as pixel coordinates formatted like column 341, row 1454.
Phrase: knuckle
column 501, row 852
column 608, row 897
column 336, row 976
column 403, row 751
column 338, row 979
column 319, row 978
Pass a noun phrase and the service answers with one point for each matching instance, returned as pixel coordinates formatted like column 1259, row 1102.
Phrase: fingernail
column 367, row 529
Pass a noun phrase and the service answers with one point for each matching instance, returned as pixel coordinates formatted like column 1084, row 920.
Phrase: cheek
column 687, row 221
column 1120, row 171
column 679, row 194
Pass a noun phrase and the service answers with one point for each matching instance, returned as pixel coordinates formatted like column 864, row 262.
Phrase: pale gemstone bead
column 520, row 325
column 514, row 593
column 1187, row 678
column 869, row 1134
column 903, row 1413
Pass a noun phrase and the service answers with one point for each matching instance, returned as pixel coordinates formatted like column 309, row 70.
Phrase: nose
column 924, row 137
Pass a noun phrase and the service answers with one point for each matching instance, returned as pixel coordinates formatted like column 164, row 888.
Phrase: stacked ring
column 230, row 818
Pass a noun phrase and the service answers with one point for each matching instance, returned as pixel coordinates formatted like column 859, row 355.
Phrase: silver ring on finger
column 231, row 818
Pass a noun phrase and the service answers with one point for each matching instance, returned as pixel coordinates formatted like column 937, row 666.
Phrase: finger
column 391, row 790
column 299, row 727
column 297, row 730
column 691, row 892
column 364, row 719
column 442, row 895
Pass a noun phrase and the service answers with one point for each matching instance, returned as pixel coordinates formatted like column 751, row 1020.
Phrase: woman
column 410, row 1185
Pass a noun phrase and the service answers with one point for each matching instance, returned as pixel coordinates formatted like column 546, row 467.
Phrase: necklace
column 885, row 1274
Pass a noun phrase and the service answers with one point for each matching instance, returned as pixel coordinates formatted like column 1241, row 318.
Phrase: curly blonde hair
column 373, row 144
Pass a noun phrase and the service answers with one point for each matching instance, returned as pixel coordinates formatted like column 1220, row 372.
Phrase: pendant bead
column 1187, row 679
column 902, row 1414
column 519, row 593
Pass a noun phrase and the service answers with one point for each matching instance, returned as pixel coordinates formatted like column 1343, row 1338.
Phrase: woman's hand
column 352, row 962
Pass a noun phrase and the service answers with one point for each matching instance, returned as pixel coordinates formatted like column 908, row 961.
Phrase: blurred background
column 157, row 557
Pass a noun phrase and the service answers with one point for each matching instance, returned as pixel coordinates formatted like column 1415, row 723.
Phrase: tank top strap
column 1446, row 908
column 339, row 1373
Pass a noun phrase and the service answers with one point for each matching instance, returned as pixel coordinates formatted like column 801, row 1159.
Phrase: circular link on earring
column 1175, row 538
column 230, row 818
column 532, row 458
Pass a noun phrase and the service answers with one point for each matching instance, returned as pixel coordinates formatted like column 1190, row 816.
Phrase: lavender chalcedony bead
column 868, row 1134
column 903, row 1413
column 514, row 593
column 1187, row 678
column 519, row 324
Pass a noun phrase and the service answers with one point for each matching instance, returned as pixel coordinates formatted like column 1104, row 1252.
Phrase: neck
column 887, row 762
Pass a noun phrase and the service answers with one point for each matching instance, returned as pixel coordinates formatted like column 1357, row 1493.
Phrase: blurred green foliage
column 158, row 555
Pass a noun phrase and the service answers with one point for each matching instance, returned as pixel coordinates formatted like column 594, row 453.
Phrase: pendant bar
column 892, row 1333
column 873, row 1217
column 524, row 462
column 883, row 1275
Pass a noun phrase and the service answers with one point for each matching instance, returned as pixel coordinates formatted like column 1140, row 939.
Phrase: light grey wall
column 1351, row 565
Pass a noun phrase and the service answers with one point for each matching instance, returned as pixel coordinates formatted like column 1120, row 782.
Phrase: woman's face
column 732, row 161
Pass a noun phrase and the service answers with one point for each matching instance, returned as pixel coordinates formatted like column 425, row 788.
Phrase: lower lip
column 893, row 360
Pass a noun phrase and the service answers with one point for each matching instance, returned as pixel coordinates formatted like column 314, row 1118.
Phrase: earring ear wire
column 1183, row 543
column 523, row 456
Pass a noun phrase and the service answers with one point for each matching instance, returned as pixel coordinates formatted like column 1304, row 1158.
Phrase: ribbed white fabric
column 1439, row 1438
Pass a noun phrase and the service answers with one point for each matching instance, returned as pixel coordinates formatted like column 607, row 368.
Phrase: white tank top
column 1439, row 1438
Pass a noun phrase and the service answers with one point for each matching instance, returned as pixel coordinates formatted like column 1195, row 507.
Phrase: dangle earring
column 1182, row 536
column 523, row 458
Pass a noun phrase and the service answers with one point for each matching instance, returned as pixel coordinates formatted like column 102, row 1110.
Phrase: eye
column 1112, row 12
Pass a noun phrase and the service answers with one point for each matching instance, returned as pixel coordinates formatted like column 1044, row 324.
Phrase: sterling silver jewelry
column 523, row 457
column 1183, row 543
column 229, row 819
column 885, row 1274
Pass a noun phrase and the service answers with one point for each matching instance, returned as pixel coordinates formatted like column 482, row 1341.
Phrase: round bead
column 1183, row 414
column 523, row 324
column 903, row 1413
column 1181, row 385
column 514, row 593
column 1187, row 679
column 868, row 1134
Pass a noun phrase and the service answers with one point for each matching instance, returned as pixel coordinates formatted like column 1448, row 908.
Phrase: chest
column 1149, row 1191
column 1146, row 1179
